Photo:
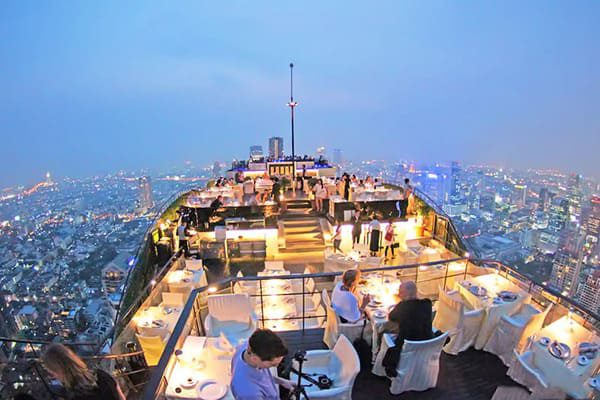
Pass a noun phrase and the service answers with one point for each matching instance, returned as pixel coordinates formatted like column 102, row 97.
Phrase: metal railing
column 191, row 320
column 34, row 378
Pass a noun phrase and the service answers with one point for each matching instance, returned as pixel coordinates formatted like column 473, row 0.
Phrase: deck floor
column 471, row 375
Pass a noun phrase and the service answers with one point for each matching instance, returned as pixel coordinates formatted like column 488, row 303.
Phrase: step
column 300, row 229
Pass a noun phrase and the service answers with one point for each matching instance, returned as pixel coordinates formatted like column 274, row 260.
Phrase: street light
column 292, row 104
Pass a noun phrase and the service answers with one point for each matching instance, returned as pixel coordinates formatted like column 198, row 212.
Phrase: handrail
column 43, row 342
column 154, row 385
column 563, row 299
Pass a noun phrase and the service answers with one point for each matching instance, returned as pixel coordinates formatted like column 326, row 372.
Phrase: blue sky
column 94, row 87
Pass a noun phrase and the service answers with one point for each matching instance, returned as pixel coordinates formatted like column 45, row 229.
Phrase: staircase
column 301, row 230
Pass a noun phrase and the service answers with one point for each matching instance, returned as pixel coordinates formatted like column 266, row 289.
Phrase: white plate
column 211, row 390
column 379, row 314
column 188, row 383
column 583, row 360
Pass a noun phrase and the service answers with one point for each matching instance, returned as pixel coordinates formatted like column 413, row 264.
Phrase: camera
column 300, row 355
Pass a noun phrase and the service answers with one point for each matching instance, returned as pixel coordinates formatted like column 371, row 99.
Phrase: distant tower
column 520, row 195
column 590, row 293
column 454, row 172
column 145, row 194
column 276, row 147
column 48, row 179
column 256, row 152
column 216, row 169
column 544, row 199
column 338, row 157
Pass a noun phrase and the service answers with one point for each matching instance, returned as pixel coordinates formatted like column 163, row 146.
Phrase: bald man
column 413, row 317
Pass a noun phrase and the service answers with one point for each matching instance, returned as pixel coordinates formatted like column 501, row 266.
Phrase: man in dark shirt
column 413, row 317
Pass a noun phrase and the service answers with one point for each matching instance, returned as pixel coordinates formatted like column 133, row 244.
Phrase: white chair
column 513, row 332
column 419, row 363
column 274, row 266
column 341, row 364
column 524, row 372
column 315, row 319
column 334, row 327
column 232, row 315
column 192, row 264
column 519, row 393
column 462, row 326
column 173, row 299
column 181, row 287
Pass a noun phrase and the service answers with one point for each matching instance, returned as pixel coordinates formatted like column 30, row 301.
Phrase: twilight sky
column 92, row 87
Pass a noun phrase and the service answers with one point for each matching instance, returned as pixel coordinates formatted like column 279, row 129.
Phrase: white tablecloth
column 494, row 284
column 567, row 375
column 210, row 364
column 145, row 317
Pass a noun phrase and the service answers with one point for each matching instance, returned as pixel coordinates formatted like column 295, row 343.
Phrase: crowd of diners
column 410, row 319
column 271, row 188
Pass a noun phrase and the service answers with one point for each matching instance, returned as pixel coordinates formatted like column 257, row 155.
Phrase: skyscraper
column 591, row 227
column 590, row 292
column 256, row 152
column 574, row 197
column 275, row 147
column 145, row 202
column 454, row 172
column 565, row 272
column 338, row 158
column 544, row 199
column 519, row 195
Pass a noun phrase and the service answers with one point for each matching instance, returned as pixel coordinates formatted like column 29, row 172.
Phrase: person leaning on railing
column 79, row 381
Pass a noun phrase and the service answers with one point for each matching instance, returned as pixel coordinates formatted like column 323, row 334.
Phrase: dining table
column 157, row 320
column 203, row 364
column 566, row 369
column 491, row 292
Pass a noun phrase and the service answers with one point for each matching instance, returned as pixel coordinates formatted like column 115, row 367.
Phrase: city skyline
column 502, row 84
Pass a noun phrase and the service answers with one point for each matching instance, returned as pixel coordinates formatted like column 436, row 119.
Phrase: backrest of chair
column 535, row 324
column 230, row 307
column 326, row 299
column 193, row 264
column 274, row 265
column 316, row 299
column 180, row 287
column 473, row 317
column 309, row 284
column 173, row 299
column 426, row 348
column 348, row 359
column 449, row 311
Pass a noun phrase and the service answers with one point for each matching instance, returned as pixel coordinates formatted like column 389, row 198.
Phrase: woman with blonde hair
column 78, row 380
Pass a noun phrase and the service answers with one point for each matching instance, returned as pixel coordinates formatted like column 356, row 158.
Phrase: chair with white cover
column 520, row 393
column 315, row 319
column 524, row 372
column 232, row 315
column 341, row 364
column 419, row 364
column 462, row 326
column 173, row 299
column 152, row 346
column 513, row 332
column 181, row 287
column 192, row 264
column 334, row 327
column 274, row 266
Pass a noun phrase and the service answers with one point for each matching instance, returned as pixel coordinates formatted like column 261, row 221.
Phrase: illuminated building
column 145, row 202
column 275, row 147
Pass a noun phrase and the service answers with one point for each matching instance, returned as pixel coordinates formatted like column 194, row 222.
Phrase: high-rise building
column 454, row 184
column 591, row 227
column 544, row 200
column 115, row 272
column 48, row 179
column 559, row 214
column 590, row 291
column 256, row 152
column 216, row 169
column 338, row 157
column 519, row 195
column 276, row 147
column 565, row 272
column 145, row 201
column 574, row 196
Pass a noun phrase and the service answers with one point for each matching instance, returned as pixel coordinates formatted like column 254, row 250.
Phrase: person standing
column 80, row 382
column 251, row 378
column 183, row 239
column 388, row 239
column 346, row 180
column 356, row 227
column 408, row 196
column 375, row 233
column 321, row 194
column 337, row 238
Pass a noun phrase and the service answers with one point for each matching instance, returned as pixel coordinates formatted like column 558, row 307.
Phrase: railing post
column 262, row 305
column 446, row 275
column 303, row 305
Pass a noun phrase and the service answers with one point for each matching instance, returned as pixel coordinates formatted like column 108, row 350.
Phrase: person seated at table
column 216, row 204
column 412, row 318
column 251, row 378
column 344, row 298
